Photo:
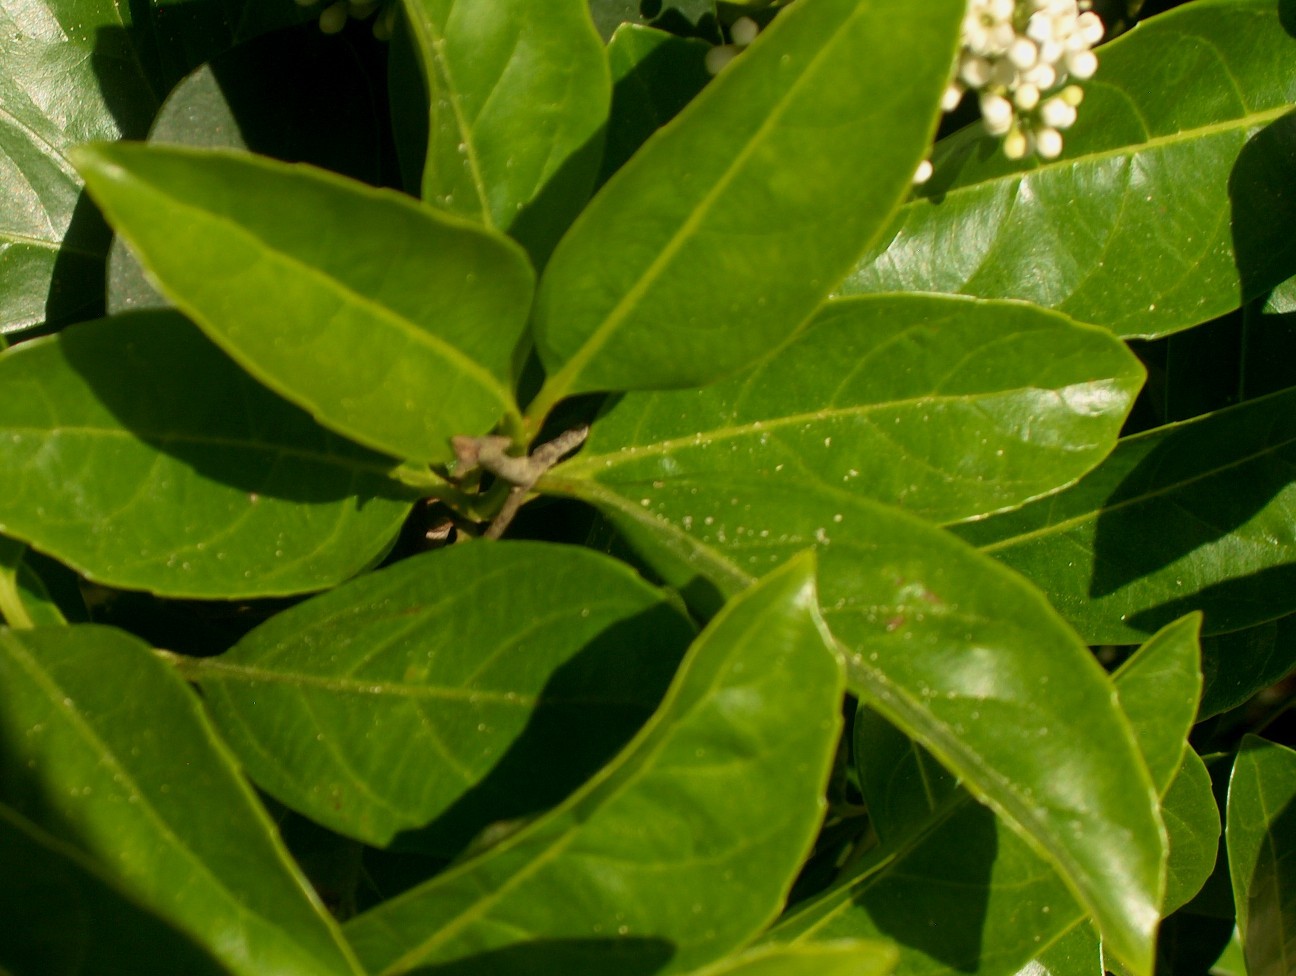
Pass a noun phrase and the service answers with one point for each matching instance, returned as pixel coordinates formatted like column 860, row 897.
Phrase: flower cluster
column 334, row 17
column 741, row 33
column 1019, row 57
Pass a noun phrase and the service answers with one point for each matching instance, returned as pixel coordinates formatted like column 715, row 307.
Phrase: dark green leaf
column 518, row 96
column 513, row 671
column 1238, row 665
column 390, row 323
column 102, row 746
column 945, row 407
column 1193, row 824
column 1167, row 207
column 681, row 848
column 654, row 75
column 1190, row 516
column 1261, row 838
column 902, row 784
column 133, row 450
column 731, row 224
column 673, row 15
column 61, row 911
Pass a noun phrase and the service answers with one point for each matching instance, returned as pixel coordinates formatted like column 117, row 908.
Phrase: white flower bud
column 1016, row 144
column 1001, row 9
column 1057, row 113
column 974, row 71
column 1026, row 97
column 1090, row 26
column 1081, row 64
column 744, row 31
column 1042, row 76
column 997, row 113
column 923, row 173
column 1073, row 95
column 1023, row 53
column 718, row 58
column 1048, row 143
column 953, row 95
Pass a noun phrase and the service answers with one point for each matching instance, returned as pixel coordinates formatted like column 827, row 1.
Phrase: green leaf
column 654, row 75
column 514, row 671
column 1261, row 838
column 390, row 323
column 953, row 885
column 1238, row 665
column 1196, row 515
column 72, row 71
column 674, row 15
column 101, row 745
column 134, row 451
column 732, row 223
column 1077, row 953
column 61, row 911
column 24, row 600
column 845, row 958
column 945, row 407
column 681, row 848
column 517, row 100
column 1166, row 183
column 1193, row 824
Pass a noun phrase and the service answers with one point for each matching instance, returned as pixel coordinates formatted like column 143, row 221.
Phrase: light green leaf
column 1261, row 838
column 1168, row 207
column 24, row 600
column 945, row 407
column 1077, row 953
column 954, row 886
column 134, row 451
column 654, row 75
column 517, row 101
column 61, row 911
column 72, row 71
column 390, row 323
column 681, row 848
column 1193, row 824
column 104, row 747
column 1196, row 515
column 847, row 957
column 513, row 671
column 732, row 223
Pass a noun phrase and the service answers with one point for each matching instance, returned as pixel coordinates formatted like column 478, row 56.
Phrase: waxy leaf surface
column 1261, row 838
column 1196, row 515
column 945, row 407
column 730, row 225
column 1169, row 205
column 517, row 99
column 60, row 911
column 948, row 647
column 951, row 883
column 1193, row 825
column 847, row 957
column 389, row 322
column 107, row 749
column 676, row 852
column 1237, row 665
column 178, row 473
column 502, row 675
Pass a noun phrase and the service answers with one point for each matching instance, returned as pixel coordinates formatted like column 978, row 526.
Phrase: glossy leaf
column 1193, row 824
column 390, row 323
column 512, row 671
column 1238, row 665
column 1196, row 515
column 654, row 75
column 24, row 599
column 1261, row 837
column 179, row 474
column 945, row 407
column 517, row 101
column 72, row 71
column 1165, row 181
column 681, row 848
column 60, row 911
column 674, row 15
column 102, row 746
column 957, row 889
column 844, row 958
column 1077, row 953
column 732, row 223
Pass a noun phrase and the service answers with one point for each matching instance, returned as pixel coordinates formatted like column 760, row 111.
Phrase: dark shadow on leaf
column 585, row 717
column 1271, row 889
column 627, row 955
column 1262, row 196
column 203, row 410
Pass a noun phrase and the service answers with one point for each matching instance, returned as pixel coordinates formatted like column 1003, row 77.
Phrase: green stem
column 11, row 605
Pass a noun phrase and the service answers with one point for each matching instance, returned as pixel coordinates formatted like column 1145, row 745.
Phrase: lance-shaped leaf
column 946, row 645
column 135, row 451
column 71, row 71
column 517, row 97
column 104, row 747
column 681, row 848
column 1196, row 515
column 952, row 884
column 1193, row 825
column 1261, row 838
column 732, row 223
column 24, row 599
column 389, row 322
column 946, row 407
column 61, row 911
column 511, row 671
column 847, row 957
column 1167, row 207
